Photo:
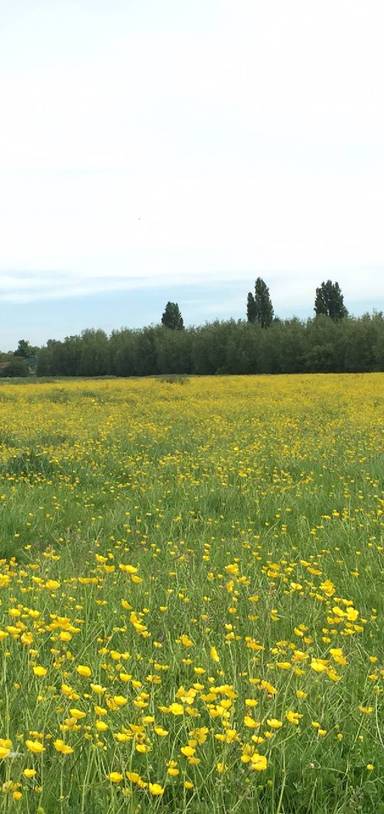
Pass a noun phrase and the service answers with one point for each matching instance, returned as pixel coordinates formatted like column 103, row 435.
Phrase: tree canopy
column 320, row 344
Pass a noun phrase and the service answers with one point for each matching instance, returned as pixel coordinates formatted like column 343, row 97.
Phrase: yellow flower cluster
column 190, row 594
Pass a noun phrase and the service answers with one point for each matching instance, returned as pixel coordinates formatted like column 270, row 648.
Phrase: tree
column 259, row 306
column 251, row 308
column 330, row 301
column 173, row 350
column 16, row 367
column 93, row 353
column 172, row 317
column 25, row 349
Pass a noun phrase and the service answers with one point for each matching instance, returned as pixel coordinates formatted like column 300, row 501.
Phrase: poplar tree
column 329, row 301
column 259, row 305
column 251, row 308
column 172, row 317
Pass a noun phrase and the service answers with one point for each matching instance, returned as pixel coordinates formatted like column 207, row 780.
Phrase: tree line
column 331, row 341
column 288, row 346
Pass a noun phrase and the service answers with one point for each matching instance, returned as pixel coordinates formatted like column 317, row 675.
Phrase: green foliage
column 327, row 343
column 329, row 301
column 322, row 345
column 251, row 308
column 16, row 367
column 259, row 305
column 25, row 349
column 172, row 317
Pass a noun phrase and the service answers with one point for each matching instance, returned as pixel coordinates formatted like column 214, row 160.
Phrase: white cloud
column 211, row 140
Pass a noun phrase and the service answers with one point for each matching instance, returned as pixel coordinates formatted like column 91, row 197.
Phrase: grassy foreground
column 192, row 596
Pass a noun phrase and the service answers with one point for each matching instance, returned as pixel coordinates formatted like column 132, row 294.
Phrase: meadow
column 192, row 595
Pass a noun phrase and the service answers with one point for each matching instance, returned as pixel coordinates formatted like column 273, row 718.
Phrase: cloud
column 292, row 291
column 203, row 144
column 39, row 286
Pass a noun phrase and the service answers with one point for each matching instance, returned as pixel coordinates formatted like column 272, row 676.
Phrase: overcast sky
column 155, row 149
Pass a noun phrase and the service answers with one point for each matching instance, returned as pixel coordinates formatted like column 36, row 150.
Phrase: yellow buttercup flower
column 188, row 751
column 29, row 773
column 155, row 789
column 176, row 709
column 274, row 723
column 77, row 714
column 101, row 726
column 62, row 747
column 40, row 671
column 84, row 671
column 35, row 746
column 293, row 717
column 258, row 762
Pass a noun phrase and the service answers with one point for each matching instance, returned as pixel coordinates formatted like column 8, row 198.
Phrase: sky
column 155, row 150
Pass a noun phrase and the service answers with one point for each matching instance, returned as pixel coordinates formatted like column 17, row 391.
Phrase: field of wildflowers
column 192, row 596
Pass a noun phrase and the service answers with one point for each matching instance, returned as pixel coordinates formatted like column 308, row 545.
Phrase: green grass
column 238, row 501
